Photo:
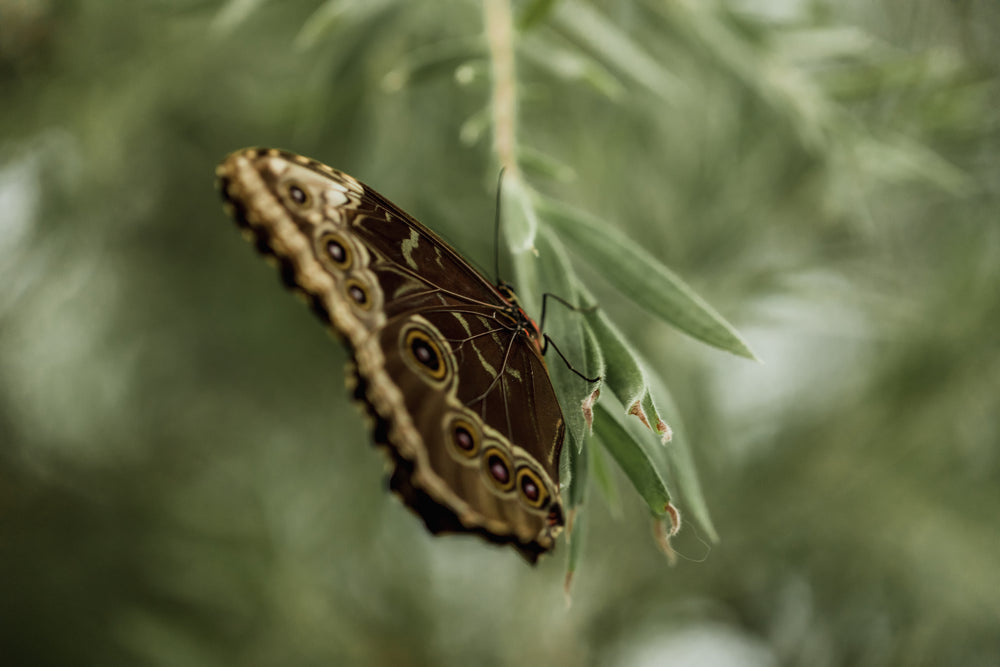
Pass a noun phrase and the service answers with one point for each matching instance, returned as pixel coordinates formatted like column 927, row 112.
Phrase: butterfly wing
column 461, row 397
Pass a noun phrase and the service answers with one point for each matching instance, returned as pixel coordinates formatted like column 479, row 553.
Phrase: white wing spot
column 336, row 198
column 482, row 360
column 408, row 246
column 487, row 366
column 463, row 322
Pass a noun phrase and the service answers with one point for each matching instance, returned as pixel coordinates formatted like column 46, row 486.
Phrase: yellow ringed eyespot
column 498, row 469
column 465, row 438
column 337, row 251
column 356, row 291
column 422, row 348
column 531, row 487
column 298, row 194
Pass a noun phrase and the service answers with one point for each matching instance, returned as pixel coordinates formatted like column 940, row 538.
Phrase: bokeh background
column 183, row 480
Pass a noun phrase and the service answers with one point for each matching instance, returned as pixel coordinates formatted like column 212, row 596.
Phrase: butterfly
column 448, row 364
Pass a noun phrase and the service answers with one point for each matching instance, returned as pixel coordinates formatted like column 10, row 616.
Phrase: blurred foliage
column 183, row 481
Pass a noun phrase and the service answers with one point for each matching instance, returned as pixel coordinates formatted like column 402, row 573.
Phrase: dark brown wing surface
column 461, row 396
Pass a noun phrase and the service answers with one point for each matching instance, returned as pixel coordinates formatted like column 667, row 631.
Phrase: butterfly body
column 448, row 364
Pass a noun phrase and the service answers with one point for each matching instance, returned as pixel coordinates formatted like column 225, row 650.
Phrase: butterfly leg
column 548, row 341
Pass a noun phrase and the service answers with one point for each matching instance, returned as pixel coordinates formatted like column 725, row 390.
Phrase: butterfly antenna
column 496, row 229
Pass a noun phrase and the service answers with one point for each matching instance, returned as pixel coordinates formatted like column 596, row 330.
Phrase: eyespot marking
column 531, row 488
column 425, row 352
column 496, row 466
column 358, row 294
column 464, row 437
column 336, row 250
column 297, row 194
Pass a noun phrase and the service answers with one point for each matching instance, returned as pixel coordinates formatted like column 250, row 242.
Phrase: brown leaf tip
column 588, row 409
column 662, row 534
column 662, row 537
column 666, row 433
column 675, row 518
column 636, row 410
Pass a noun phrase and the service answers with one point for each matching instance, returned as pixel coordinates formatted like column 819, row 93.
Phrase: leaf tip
column 742, row 348
column 675, row 518
column 588, row 409
column 662, row 537
column 636, row 411
column 666, row 433
column 662, row 534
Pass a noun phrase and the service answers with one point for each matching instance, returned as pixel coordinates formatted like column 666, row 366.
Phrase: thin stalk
column 500, row 37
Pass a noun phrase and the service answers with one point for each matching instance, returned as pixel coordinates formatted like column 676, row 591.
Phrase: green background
column 183, row 480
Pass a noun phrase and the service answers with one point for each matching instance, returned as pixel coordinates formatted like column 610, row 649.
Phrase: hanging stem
column 500, row 37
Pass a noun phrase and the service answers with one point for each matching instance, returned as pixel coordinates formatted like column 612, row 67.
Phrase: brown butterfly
column 449, row 365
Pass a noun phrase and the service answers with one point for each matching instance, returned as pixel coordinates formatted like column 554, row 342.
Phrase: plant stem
column 500, row 36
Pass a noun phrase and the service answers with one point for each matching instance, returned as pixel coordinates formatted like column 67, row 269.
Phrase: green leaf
column 234, row 13
column 330, row 14
column 571, row 66
column 634, row 458
column 535, row 13
column 577, row 462
column 565, row 329
column 476, row 127
column 520, row 220
column 680, row 464
column 535, row 161
column 641, row 277
column 586, row 26
column 595, row 368
column 603, row 476
column 624, row 373
column 576, row 489
column 575, row 541
column 438, row 59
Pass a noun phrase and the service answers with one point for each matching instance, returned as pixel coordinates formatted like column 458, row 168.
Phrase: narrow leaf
column 565, row 329
column 533, row 160
column 536, row 12
column 475, row 127
column 433, row 60
column 604, row 477
column 234, row 13
column 576, row 542
column 578, row 465
column 641, row 277
column 681, row 465
column 520, row 220
column 638, row 464
column 595, row 368
column 624, row 373
column 585, row 25
column 328, row 15
column 572, row 66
